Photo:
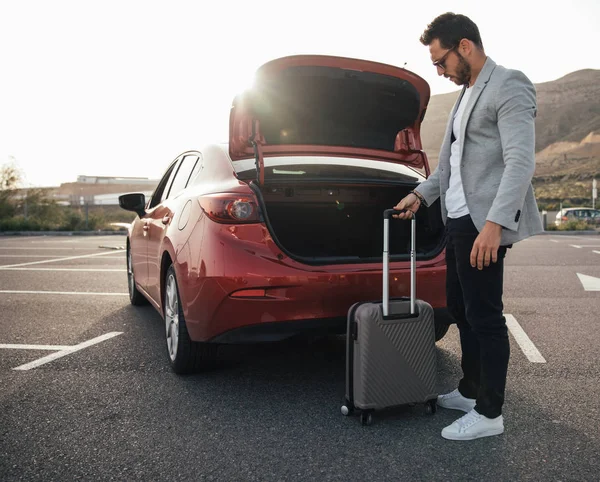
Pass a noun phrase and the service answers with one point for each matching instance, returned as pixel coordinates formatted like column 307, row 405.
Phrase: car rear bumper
column 308, row 301
column 277, row 331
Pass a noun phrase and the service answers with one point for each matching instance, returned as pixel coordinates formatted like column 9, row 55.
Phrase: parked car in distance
column 279, row 231
column 589, row 215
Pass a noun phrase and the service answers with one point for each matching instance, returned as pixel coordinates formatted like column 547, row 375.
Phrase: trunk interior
column 329, row 223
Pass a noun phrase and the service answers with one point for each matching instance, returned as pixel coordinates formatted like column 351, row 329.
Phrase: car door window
column 196, row 175
column 183, row 174
column 160, row 190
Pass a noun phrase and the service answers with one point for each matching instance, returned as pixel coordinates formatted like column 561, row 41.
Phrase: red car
column 279, row 231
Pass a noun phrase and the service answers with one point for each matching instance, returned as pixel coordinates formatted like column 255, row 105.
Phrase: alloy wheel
column 172, row 316
column 130, row 278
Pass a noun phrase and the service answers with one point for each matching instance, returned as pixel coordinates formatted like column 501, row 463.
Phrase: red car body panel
column 244, row 258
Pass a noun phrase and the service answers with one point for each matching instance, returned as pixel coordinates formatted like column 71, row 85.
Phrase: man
column 483, row 180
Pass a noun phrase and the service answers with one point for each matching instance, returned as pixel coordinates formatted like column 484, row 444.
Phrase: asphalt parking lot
column 87, row 392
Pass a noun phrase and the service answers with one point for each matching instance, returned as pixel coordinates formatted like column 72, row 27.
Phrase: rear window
column 579, row 213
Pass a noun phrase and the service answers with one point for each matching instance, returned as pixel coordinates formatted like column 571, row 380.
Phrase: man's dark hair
column 450, row 28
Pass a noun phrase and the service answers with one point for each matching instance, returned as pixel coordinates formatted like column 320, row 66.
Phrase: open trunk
column 321, row 223
column 313, row 105
column 354, row 122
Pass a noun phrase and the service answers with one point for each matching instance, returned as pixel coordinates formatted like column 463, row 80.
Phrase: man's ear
column 465, row 46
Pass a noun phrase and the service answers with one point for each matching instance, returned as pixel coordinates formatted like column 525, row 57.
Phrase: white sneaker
column 473, row 425
column 455, row 401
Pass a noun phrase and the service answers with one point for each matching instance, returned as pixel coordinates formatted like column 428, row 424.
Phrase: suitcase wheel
column 431, row 407
column 366, row 418
column 347, row 407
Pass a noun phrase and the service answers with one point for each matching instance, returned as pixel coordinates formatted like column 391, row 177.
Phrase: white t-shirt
column 455, row 196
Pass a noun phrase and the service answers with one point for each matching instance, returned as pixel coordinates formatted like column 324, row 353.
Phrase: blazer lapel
column 480, row 83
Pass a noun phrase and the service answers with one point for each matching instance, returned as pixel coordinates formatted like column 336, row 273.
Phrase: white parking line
column 527, row 346
column 21, row 238
column 594, row 251
column 575, row 246
column 554, row 241
column 35, row 347
column 589, row 283
column 91, row 293
column 48, row 256
column 120, row 270
column 67, row 351
column 585, row 245
column 585, row 238
column 37, row 248
column 55, row 260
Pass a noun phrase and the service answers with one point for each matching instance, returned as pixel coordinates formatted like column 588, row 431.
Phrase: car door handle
column 166, row 219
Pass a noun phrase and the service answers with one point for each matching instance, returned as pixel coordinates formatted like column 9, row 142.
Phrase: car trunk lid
column 334, row 106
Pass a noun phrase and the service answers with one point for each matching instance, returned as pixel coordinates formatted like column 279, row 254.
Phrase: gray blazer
column 498, row 154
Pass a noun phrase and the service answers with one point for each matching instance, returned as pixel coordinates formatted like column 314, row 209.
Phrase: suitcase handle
column 387, row 215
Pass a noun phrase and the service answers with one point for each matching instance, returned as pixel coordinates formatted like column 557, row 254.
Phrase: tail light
column 230, row 208
column 564, row 218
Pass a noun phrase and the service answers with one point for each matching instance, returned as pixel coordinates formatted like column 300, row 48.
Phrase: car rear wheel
column 185, row 355
column 135, row 297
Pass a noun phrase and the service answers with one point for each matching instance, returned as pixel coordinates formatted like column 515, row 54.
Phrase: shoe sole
column 488, row 433
column 456, row 408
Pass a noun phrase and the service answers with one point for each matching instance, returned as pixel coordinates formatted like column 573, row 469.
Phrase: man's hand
column 485, row 248
column 411, row 203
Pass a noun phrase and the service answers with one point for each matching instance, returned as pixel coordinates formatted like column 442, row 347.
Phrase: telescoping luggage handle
column 387, row 215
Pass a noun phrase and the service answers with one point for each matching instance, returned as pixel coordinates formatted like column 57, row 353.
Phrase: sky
column 121, row 88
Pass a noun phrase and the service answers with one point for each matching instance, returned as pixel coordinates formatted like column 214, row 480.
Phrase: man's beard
column 463, row 71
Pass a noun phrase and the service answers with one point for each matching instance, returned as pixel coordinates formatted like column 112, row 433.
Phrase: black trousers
column 475, row 301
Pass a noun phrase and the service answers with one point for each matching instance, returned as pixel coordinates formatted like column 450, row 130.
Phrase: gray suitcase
column 390, row 352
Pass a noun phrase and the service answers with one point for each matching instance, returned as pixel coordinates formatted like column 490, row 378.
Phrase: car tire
column 186, row 356
column 135, row 297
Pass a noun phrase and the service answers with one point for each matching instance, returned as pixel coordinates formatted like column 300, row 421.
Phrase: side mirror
column 135, row 202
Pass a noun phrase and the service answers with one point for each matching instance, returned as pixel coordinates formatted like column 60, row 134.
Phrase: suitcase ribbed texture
column 394, row 360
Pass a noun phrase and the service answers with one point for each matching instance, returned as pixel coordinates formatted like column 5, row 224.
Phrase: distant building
column 111, row 199
column 116, row 180
column 92, row 190
column 95, row 190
